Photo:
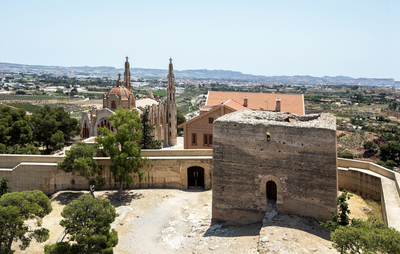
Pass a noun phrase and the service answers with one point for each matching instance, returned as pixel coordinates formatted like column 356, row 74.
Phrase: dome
column 120, row 91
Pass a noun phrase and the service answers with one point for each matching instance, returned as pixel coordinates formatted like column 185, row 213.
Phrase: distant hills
column 194, row 74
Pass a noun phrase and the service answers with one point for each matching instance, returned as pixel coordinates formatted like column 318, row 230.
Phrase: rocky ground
column 175, row 221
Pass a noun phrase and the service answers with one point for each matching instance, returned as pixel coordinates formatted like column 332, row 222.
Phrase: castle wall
column 165, row 169
column 299, row 158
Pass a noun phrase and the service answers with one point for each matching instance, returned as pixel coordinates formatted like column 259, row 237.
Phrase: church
column 161, row 114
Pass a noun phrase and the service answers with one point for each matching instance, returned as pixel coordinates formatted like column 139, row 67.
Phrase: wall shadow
column 233, row 230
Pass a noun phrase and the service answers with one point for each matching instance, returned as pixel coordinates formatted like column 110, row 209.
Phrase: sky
column 356, row 38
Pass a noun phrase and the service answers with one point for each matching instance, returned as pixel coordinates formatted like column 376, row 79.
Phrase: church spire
column 171, row 84
column 127, row 76
column 171, row 107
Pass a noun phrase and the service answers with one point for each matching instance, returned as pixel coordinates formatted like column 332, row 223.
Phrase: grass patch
column 345, row 116
column 357, row 205
column 26, row 106
column 155, row 93
column 8, row 97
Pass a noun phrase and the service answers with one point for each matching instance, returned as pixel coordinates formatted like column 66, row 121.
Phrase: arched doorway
column 195, row 177
column 271, row 190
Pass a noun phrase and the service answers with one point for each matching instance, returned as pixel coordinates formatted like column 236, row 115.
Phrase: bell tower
column 171, row 107
column 127, row 76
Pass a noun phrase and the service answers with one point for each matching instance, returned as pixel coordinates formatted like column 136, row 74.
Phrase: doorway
column 195, row 177
column 271, row 190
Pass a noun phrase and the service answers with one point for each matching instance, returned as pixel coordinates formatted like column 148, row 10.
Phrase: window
column 194, row 138
column 208, row 139
column 113, row 105
column 210, row 120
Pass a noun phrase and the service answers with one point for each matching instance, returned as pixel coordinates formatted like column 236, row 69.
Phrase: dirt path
column 162, row 228
column 174, row 221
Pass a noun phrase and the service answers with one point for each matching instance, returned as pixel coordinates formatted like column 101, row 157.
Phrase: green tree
column 74, row 91
column 123, row 146
column 342, row 217
column 80, row 159
column 17, row 207
column 52, row 127
column 180, row 119
column 369, row 145
column 87, row 222
column 370, row 236
column 14, row 127
column 390, row 151
column 148, row 141
column 4, row 187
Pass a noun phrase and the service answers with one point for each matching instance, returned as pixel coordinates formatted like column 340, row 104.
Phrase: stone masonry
column 297, row 153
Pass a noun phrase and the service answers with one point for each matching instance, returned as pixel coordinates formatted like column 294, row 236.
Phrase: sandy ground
column 175, row 221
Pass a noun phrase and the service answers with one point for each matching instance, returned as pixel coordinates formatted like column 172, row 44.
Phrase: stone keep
column 254, row 150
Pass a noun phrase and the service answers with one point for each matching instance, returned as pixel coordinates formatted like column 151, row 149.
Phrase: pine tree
column 148, row 141
column 123, row 146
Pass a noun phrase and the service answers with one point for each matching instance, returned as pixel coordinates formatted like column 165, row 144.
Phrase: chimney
column 245, row 100
column 278, row 105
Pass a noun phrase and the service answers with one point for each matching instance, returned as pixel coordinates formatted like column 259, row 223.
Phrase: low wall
column 361, row 183
column 346, row 163
column 165, row 169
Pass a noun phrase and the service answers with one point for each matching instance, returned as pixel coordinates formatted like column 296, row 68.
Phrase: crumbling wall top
column 321, row 121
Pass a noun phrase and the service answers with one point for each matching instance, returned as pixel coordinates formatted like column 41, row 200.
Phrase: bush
column 369, row 145
column 346, row 155
column 370, row 236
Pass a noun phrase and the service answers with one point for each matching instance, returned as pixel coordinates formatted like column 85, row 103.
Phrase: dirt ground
column 175, row 221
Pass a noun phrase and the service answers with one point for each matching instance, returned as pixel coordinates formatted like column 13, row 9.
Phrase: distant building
column 161, row 115
column 198, row 131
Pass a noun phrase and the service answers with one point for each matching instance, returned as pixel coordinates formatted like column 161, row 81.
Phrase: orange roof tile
column 235, row 105
column 292, row 103
column 121, row 91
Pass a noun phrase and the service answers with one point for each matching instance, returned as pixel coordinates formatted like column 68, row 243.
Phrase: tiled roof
column 121, row 91
column 217, row 107
column 234, row 104
column 293, row 103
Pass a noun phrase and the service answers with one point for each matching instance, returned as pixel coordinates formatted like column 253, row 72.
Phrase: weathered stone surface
column 254, row 147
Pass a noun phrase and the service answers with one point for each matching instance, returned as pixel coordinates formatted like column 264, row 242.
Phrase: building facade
column 262, row 158
column 198, row 131
column 161, row 114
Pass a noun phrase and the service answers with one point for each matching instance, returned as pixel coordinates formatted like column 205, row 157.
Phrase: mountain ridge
column 194, row 74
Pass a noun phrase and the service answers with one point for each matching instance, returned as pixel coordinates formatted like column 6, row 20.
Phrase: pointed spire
column 119, row 81
column 171, row 84
column 127, row 75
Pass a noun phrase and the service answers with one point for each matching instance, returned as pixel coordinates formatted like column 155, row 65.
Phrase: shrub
column 346, row 155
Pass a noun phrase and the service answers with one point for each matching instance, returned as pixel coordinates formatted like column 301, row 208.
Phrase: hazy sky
column 357, row 38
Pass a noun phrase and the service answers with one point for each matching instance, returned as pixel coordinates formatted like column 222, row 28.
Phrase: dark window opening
column 195, row 177
column 194, row 138
column 208, row 139
column 271, row 190
column 210, row 120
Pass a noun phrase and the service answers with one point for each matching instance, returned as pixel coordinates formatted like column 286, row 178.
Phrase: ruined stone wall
column 254, row 147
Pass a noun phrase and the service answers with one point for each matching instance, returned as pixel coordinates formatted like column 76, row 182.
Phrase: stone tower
column 127, row 76
column 171, row 107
